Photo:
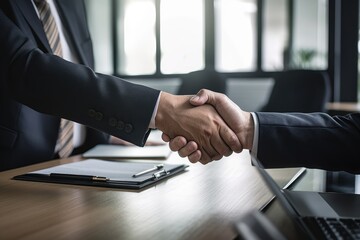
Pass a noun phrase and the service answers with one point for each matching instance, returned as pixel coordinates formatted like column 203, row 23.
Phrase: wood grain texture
column 201, row 203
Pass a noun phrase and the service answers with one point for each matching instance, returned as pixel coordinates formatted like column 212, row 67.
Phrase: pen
column 79, row 177
column 157, row 167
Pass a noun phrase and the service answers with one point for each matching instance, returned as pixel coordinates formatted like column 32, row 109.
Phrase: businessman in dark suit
column 314, row 140
column 38, row 89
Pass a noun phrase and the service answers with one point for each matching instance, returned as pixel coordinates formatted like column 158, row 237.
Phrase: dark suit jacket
column 37, row 88
column 314, row 140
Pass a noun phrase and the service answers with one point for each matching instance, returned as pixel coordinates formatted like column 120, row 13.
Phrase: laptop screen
column 285, row 218
column 274, row 187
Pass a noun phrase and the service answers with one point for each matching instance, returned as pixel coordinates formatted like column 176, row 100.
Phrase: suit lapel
column 27, row 9
column 69, row 17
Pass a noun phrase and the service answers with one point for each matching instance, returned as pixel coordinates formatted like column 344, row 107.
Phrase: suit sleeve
column 314, row 140
column 54, row 86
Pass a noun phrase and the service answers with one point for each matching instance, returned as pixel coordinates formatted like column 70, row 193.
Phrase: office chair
column 194, row 81
column 299, row 91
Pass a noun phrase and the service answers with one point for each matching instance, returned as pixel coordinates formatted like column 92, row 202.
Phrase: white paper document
column 128, row 152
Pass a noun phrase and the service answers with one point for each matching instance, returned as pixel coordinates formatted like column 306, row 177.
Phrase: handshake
column 204, row 127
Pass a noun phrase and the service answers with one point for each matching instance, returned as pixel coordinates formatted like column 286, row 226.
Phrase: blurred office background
column 247, row 42
column 155, row 42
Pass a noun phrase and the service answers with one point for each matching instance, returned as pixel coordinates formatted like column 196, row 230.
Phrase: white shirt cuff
column 152, row 121
column 254, row 149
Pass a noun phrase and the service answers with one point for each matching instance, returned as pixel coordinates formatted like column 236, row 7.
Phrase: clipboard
column 104, row 173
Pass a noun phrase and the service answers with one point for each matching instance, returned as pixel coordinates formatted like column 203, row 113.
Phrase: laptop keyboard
column 334, row 228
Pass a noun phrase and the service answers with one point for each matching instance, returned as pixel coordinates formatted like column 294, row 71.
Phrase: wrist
column 246, row 135
column 165, row 107
column 160, row 111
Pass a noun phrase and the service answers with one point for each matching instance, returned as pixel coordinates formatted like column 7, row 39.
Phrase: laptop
column 313, row 215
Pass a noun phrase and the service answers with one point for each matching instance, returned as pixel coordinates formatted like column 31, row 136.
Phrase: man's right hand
column 239, row 121
column 203, row 125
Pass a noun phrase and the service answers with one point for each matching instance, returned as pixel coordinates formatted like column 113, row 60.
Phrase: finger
column 205, row 158
column 220, row 146
column 189, row 148
column 204, row 161
column 177, row 143
column 210, row 151
column 231, row 140
column 165, row 137
column 200, row 98
column 195, row 156
column 218, row 157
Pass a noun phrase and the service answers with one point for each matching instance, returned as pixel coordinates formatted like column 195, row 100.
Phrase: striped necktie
column 64, row 142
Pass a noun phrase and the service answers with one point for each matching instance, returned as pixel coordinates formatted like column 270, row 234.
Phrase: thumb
column 200, row 98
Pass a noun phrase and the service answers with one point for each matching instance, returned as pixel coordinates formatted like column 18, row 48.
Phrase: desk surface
column 344, row 106
column 201, row 203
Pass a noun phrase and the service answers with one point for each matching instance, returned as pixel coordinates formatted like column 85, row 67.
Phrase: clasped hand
column 214, row 128
column 202, row 125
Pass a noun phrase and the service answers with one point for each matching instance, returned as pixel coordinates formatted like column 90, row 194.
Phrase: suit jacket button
column 128, row 128
column 120, row 125
column 112, row 122
column 99, row 116
column 91, row 113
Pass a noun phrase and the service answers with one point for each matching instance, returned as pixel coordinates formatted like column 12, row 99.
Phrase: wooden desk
column 201, row 203
column 348, row 107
